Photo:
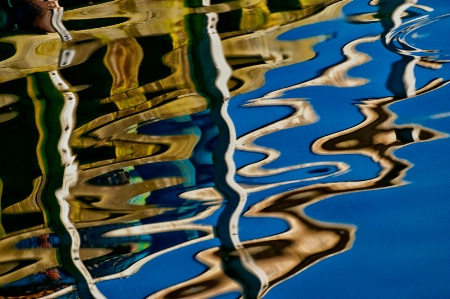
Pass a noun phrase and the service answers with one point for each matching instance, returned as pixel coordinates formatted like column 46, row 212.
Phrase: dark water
column 224, row 149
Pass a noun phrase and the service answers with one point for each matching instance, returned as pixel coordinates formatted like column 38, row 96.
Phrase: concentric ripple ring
column 423, row 37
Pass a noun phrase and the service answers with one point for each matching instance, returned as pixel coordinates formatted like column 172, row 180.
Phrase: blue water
column 326, row 178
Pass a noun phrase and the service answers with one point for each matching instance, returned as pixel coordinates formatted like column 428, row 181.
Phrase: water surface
column 224, row 149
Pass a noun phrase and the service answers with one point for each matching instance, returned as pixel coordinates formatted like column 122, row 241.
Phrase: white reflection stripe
column 70, row 178
column 400, row 10
column 223, row 75
column 57, row 24
column 409, row 78
column 343, row 168
column 440, row 115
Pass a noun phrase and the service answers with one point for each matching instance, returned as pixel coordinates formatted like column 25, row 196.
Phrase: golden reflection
column 303, row 115
column 123, row 155
column 253, row 54
column 122, row 60
column 337, row 75
column 143, row 18
column 277, row 257
column 106, row 193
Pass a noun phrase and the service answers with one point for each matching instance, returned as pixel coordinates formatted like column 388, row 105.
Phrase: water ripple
column 421, row 38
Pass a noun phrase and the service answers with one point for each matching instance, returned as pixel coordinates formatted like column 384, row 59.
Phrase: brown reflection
column 277, row 258
column 119, row 209
column 337, row 75
column 106, row 200
column 252, row 54
column 111, row 206
column 123, row 59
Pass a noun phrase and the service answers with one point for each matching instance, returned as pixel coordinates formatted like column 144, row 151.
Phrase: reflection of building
column 145, row 84
column 132, row 193
column 119, row 20
column 114, row 193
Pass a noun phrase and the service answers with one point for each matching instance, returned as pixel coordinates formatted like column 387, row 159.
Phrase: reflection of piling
column 50, row 102
column 210, row 73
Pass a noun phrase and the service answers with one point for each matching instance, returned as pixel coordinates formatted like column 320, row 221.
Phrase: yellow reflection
column 118, row 209
column 123, row 59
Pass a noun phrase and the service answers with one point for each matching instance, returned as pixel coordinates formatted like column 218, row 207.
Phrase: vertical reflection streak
column 86, row 286
column 236, row 245
column 59, row 170
column 248, row 274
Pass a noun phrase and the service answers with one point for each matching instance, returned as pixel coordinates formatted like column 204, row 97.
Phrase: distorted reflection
column 120, row 148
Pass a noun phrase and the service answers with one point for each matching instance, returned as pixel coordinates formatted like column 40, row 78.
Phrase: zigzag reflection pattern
column 145, row 85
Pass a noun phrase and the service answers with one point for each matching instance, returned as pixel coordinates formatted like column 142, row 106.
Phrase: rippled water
column 224, row 149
